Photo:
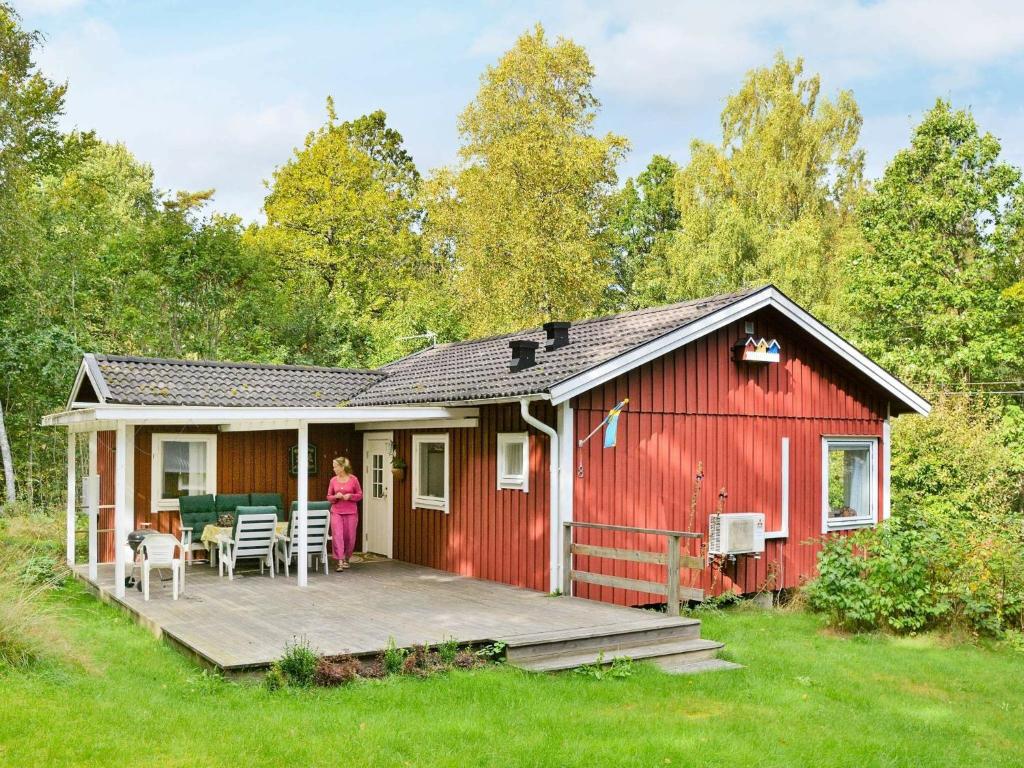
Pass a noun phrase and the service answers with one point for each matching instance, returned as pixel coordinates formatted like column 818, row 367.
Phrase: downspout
column 556, row 518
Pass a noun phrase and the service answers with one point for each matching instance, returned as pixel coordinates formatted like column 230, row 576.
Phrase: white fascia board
column 850, row 353
column 471, row 422
column 147, row 414
column 767, row 297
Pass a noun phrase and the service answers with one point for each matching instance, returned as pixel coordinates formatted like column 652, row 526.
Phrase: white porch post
column 566, row 482
column 121, row 524
column 71, row 499
column 93, row 499
column 303, row 505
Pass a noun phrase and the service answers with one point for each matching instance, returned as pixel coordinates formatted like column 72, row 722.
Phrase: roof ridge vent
column 524, row 354
column 558, row 334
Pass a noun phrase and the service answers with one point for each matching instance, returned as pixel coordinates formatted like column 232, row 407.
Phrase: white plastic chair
column 253, row 538
column 317, row 529
column 158, row 550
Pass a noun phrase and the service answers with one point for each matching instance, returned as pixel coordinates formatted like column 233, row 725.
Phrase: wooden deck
column 244, row 624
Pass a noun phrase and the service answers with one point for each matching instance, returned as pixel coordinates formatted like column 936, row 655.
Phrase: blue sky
column 216, row 94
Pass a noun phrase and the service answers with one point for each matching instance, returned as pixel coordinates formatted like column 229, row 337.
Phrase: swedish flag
column 611, row 431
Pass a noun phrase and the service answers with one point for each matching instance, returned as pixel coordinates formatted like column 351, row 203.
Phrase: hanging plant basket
column 398, row 467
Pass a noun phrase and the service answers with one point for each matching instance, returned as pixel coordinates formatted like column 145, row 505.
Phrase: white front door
column 377, row 480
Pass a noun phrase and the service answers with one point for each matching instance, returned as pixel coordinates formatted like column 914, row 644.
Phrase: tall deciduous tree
column 29, row 107
column 943, row 233
column 774, row 201
column 644, row 218
column 524, row 214
column 343, row 217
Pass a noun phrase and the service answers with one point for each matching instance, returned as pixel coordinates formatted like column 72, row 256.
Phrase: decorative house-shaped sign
column 757, row 351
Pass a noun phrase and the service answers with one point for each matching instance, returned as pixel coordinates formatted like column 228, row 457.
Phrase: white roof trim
column 766, row 297
column 271, row 417
column 88, row 369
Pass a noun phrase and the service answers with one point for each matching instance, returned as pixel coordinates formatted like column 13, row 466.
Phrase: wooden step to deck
column 675, row 650
column 609, row 639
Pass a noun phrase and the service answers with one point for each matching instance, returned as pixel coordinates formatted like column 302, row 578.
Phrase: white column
column 302, row 561
column 121, row 522
column 72, row 468
column 566, row 483
column 93, row 501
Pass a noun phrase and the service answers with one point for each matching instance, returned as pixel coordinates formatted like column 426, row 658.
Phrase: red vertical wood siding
column 501, row 535
column 247, row 462
column 698, row 405
column 692, row 405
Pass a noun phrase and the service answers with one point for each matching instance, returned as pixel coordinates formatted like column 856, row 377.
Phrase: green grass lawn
column 806, row 697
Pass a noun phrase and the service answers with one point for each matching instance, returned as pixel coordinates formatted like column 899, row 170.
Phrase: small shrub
column 336, row 670
column 299, row 663
column 466, row 660
column 276, row 678
column 447, row 651
column 492, row 652
column 374, row 670
column 620, row 667
column 393, row 658
column 44, row 571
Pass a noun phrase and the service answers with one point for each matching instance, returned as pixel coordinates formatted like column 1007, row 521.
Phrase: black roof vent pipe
column 524, row 354
column 558, row 334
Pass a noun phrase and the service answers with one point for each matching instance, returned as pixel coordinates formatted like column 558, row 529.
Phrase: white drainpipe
column 556, row 518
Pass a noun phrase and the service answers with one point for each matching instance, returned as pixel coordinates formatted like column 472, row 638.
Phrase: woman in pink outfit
column 343, row 492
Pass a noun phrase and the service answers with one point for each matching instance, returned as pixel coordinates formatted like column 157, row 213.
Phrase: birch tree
column 523, row 216
column 774, row 200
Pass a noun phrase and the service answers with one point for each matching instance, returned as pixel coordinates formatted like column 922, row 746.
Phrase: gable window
column 514, row 461
column 182, row 465
column 849, row 482
column 430, row 472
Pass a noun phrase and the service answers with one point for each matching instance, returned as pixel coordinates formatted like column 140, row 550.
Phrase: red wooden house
column 784, row 418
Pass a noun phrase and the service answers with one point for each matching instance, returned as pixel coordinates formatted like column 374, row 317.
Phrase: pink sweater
column 351, row 486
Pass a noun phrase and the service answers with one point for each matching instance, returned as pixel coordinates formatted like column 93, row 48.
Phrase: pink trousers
column 343, row 535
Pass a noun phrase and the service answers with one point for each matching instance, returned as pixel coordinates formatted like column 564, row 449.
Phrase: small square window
column 182, row 465
column 849, row 483
column 514, row 461
column 430, row 472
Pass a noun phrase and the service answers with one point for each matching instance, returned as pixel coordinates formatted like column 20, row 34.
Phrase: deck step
column 671, row 650
column 693, row 667
column 608, row 639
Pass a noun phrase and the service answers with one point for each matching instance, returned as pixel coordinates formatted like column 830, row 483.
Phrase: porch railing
column 673, row 560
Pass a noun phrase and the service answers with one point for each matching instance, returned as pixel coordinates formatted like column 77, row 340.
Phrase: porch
column 244, row 624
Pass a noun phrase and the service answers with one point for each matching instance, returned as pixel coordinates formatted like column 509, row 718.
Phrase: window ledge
column 434, row 505
column 850, row 524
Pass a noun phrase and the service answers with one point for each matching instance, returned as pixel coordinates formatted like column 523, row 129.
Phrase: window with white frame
column 849, row 482
column 514, row 461
column 183, row 465
column 430, row 472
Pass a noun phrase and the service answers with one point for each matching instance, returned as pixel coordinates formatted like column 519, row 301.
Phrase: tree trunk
column 5, row 454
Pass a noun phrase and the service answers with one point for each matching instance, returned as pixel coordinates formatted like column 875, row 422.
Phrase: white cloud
column 222, row 103
column 672, row 53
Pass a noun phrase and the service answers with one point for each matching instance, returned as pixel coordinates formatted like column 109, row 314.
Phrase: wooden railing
column 670, row 557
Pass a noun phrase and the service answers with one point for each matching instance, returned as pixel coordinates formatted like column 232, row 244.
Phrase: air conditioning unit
column 736, row 533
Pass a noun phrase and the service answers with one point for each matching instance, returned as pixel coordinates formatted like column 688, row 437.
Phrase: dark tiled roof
column 479, row 369
column 448, row 373
column 149, row 381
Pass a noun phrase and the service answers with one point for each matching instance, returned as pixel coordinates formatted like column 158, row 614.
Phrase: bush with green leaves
column 880, row 578
column 953, row 552
column 393, row 657
column 298, row 665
